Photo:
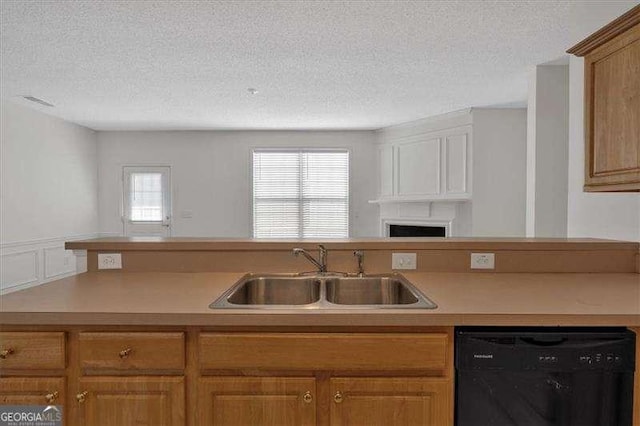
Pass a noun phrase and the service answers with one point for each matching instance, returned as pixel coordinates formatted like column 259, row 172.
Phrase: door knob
column 338, row 398
column 4, row 354
column 51, row 397
column 82, row 396
column 125, row 353
column 307, row 397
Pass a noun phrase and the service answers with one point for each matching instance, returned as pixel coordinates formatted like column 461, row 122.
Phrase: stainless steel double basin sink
column 288, row 291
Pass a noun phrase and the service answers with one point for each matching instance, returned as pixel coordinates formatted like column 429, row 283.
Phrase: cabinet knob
column 51, row 397
column 338, row 398
column 4, row 354
column 125, row 353
column 82, row 396
column 307, row 397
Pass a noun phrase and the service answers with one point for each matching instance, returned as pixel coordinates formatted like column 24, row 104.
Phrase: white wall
column 499, row 172
column 599, row 215
column 48, row 194
column 547, row 151
column 210, row 174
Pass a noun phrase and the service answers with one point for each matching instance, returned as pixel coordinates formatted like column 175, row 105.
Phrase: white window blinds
column 146, row 197
column 300, row 194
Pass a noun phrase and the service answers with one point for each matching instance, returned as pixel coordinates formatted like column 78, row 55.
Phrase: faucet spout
column 320, row 264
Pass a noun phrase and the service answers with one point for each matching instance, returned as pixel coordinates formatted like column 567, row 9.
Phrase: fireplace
column 396, row 230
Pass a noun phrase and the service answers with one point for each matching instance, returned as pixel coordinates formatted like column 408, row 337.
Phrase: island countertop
column 161, row 298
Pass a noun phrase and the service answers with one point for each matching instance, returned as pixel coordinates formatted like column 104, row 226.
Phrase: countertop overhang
column 225, row 244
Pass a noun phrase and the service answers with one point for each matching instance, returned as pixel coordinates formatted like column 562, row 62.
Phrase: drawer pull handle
column 82, row 396
column 51, row 397
column 4, row 354
column 307, row 397
column 125, row 353
column 338, row 398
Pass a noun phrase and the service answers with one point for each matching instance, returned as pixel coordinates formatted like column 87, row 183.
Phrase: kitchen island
column 142, row 344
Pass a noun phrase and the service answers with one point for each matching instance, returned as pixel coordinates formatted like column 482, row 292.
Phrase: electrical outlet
column 109, row 261
column 483, row 261
column 404, row 260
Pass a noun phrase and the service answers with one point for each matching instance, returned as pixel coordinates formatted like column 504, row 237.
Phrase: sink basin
column 273, row 291
column 369, row 291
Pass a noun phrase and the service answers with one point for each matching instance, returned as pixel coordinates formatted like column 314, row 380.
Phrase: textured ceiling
column 316, row 64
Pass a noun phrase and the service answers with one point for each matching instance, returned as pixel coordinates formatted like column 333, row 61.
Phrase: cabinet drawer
column 324, row 351
column 32, row 391
column 32, row 350
column 132, row 351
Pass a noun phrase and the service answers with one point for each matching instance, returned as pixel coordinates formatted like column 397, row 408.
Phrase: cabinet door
column 385, row 159
column 392, row 401
column 32, row 391
column 418, row 167
column 118, row 401
column 612, row 109
column 456, row 153
column 243, row 401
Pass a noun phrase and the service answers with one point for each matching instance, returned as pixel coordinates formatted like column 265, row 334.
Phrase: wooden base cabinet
column 32, row 391
column 391, row 401
column 119, row 401
column 268, row 401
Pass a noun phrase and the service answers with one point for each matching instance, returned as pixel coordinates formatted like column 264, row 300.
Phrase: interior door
column 147, row 201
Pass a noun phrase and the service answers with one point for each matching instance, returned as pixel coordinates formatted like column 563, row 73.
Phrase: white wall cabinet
column 474, row 159
column 425, row 167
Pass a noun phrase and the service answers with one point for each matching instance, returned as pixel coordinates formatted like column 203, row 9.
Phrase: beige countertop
column 117, row 298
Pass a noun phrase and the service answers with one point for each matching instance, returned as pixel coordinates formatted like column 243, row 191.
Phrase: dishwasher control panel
column 556, row 349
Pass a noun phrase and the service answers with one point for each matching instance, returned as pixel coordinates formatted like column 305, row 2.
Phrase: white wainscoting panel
column 20, row 268
column 27, row 264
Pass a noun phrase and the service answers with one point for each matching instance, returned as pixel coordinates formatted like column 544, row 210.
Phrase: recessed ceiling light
column 38, row 101
column 252, row 91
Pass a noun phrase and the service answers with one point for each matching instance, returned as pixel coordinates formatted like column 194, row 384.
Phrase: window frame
column 298, row 150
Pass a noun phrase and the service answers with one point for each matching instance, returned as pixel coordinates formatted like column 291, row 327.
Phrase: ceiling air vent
column 38, row 101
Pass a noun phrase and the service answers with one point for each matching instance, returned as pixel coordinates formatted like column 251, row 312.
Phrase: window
column 146, row 197
column 300, row 194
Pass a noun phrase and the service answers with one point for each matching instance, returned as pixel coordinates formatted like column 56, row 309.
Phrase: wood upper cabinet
column 118, row 401
column 391, row 401
column 268, row 401
column 612, row 105
column 32, row 391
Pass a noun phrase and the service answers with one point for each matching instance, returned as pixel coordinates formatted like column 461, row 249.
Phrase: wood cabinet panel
column 393, row 401
column 324, row 351
column 118, row 401
column 32, row 350
column 612, row 105
column 132, row 351
column 242, row 401
column 32, row 391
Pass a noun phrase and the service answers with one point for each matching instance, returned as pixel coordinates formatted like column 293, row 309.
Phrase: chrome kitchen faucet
column 321, row 263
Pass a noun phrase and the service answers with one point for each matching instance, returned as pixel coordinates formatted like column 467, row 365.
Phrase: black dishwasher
column 543, row 376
